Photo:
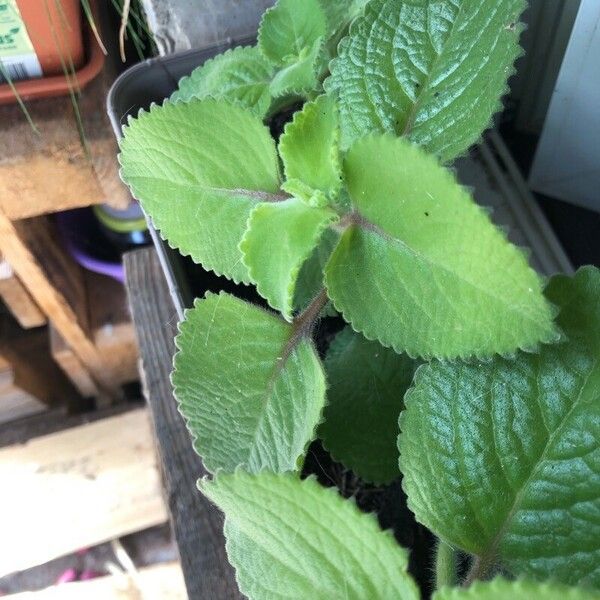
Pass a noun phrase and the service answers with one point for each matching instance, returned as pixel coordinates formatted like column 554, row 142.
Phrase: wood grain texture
column 55, row 420
column 56, row 284
column 18, row 300
column 77, row 488
column 196, row 522
column 111, row 331
column 33, row 372
column 71, row 365
column 51, row 171
column 14, row 402
column 158, row 582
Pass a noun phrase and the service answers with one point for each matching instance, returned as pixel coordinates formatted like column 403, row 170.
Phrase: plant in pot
column 456, row 369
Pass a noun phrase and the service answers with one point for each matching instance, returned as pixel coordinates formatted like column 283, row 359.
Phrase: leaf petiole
column 445, row 565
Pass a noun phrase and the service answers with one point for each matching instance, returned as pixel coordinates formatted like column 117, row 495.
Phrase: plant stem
column 445, row 565
column 480, row 568
column 303, row 324
column 305, row 321
column 123, row 28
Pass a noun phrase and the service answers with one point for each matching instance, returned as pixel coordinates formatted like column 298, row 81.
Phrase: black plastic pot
column 138, row 87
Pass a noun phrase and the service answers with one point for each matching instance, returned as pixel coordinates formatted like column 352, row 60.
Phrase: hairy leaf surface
column 339, row 14
column 367, row 383
column 242, row 74
column 289, row 28
column 422, row 269
column 512, row 462
column 289, row 538
column 251, row 391
column 301, row 74
column 434, row 71
column 280, row 237
column 199, row 187
column 309, row 146
column 501, row 589
column 310, row 277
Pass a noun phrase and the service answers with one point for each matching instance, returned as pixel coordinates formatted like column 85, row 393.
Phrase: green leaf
column 304, row 192
column 309, row 146
column 289, row 538
column 310, row 278
column 500, row 589
column 280, row 237
column 241, row 74
column 301, row 75
column 289, row 28
column 198, row 169
column 511, row 469
column 366, row 389
column 431, row 70
column 251, row 389
column 422, row 269
column 340, row 13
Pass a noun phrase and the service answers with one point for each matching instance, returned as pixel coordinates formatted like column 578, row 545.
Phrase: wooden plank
column 14, row 403
column 197, row 524
column 51, row 171
column 158, row 582
column 18, row 300
column 77, row 488
column 56, row 420
column 112, row 333
column 56, row 284
column 33, row 372
column 112, row 329
column 70, row 364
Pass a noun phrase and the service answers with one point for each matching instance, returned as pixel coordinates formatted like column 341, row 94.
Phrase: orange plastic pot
column 54, row 27
column 61, row 38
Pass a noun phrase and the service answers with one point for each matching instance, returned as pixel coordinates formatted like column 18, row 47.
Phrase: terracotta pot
column 70, row 30
column 54, row 27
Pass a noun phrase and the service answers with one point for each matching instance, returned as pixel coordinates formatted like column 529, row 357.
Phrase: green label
column 14, row 39
column 17, row 54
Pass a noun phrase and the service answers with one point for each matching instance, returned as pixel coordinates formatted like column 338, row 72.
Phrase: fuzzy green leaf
column 251, row 390
column 511, row 466
column 290, row 28
column 302, row 191
column 197, row 185
column 301, row 75
column 309, row 146
column 431, row 70
column 289, row 538
column 367, row 384
column 242, row 74
column 340, row 13
column 501, row 589
column 280, row 237
column 310, row 278
column 422, row 268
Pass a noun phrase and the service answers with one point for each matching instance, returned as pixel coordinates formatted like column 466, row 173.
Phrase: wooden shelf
column 18, row 300
column 111, row 332
column 158, row 582
column 77, row 488
column 55, row 169
column 50, row 171
column 30, row 381
column 56, row 283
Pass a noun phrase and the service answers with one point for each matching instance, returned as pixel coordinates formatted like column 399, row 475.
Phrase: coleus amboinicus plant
column 456, row 369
